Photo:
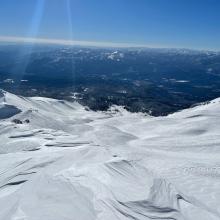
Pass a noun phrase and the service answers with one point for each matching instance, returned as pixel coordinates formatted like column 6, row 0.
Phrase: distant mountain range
column 155, row 81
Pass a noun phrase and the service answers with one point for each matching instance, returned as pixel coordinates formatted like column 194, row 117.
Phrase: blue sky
column 156, row 23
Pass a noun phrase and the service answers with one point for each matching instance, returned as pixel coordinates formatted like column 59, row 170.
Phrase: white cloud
column 12, row 39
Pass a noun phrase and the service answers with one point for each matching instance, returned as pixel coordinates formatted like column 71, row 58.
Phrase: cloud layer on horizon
column 12, row 39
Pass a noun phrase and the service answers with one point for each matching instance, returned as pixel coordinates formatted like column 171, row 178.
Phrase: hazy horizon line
column 16, row 39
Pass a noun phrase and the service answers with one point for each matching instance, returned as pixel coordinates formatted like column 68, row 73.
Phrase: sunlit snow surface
column 73, row 164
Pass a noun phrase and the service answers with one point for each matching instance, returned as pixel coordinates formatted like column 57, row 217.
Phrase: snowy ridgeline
column 59, row 161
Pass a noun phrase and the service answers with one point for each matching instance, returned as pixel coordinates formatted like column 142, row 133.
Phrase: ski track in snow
column 73, row 164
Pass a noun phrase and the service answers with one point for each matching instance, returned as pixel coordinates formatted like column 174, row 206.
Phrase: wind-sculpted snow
column 59, row 161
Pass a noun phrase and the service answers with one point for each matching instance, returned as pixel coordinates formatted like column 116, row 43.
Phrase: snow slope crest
column 64, row 162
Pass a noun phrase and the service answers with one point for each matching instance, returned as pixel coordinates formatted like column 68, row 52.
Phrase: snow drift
column 63, row 162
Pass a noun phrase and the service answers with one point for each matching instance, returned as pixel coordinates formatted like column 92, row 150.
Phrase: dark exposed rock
column 17, row 121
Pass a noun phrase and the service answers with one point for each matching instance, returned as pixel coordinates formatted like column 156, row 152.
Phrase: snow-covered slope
column 66, row 163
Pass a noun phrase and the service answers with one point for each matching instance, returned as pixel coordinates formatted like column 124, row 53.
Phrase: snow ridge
column 59, row 161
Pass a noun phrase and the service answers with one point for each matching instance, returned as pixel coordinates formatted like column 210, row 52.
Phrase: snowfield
column 59, row 161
